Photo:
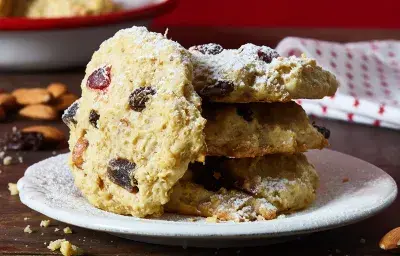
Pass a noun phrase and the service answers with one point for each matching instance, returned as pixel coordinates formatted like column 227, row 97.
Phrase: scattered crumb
column 56, row 229
column 20, row 159
column 13, row 189
column 45, row 243
column 212, row 219
column 337, row 251
column 2, row 153
column 26, row 218
column 345, row 179
column 362, row 240
column 42, row 234
column 54, row 153
column 14, row 129
column 7, row 160
column 281, row 216
column 67, row 230
column 55, row 245
column 45, row 223
column 26, row 245
column 28, row 229
column 68, row 249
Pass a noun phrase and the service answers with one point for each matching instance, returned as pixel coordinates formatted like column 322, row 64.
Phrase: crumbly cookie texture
column 137, row 125
column 257, row 74
column 64, row 8
column 257, row 129
column 288, row 181
column 226, row 205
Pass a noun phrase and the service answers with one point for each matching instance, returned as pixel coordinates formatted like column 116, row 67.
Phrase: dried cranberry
column 100, row 79
column 212, row 49
column 219, row 89
column 18, row 140
column 93, row 117
column 120, row 172
column 139, row 97
column 324, row 131
column 245, row 112
column 69, row 114
column 267, row 55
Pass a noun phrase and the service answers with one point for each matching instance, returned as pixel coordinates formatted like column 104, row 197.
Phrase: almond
column 77, row 153
column 39, row 111
column 391, row 241
column 7, row 101
column 65, row 101
column 31, row 96
column 2, row 113
column 50, row 133
column 57, row 89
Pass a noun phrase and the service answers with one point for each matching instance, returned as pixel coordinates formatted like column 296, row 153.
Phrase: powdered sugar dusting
column 48, row 187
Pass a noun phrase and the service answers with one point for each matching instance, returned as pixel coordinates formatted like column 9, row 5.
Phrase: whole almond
column 39, row 111
column 391, row 241
column 50, row 133
column 2, row 113
column 57, row 89
column 65, row 101
column 77, row 153
column 7, row 101
column 26, row 96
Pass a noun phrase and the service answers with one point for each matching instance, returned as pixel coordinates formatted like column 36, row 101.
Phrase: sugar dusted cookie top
column 137, row 125
column 257, row 74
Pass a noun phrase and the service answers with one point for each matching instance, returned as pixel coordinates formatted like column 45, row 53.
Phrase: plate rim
column 40, row 24
column 160, row 228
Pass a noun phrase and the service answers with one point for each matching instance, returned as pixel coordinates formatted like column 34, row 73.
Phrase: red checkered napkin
column 369, row 76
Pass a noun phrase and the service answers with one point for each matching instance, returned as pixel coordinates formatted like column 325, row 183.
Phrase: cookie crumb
column 13, row 189
column 7, row 160
column 362, row 240
column 345, row 179
column 212, row 219
column 55, row 245
column 2, row 154
column 54, row 153
column 56, row 229
column 45, row 223
column 67, row 230
column 28, row 229
column 20, row 159
column 68, row 249
column 26, row 218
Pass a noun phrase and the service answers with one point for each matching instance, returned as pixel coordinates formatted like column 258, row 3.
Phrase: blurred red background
column 289, row 13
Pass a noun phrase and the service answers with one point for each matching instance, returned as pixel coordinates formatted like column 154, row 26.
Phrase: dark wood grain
column 378, row 146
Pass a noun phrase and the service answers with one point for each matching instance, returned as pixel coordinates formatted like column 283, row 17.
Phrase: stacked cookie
column 143, row 141
column 254, row 134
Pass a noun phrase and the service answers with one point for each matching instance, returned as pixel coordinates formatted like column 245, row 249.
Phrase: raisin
column 245, row 112
column 93, row 117
column 268, row 55
column 18, row 140
column 70, row 113
column 210, row 111
column 120, row 172
column 77, row 153
column 100, row 79
column 212, row 49
column 324, row 131
column 219, row 89
column 139, row 97
column 212, row 175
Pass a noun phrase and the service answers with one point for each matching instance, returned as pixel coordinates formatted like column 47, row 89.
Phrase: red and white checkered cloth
column 369, row 76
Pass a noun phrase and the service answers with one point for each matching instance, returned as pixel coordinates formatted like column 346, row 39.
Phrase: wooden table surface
column 378, row 146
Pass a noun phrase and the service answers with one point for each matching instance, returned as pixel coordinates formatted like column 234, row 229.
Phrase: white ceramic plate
column 47, row 187
column 42, row 44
